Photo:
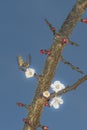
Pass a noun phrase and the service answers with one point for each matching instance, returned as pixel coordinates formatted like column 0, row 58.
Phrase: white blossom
column 29, row 72
column 57, row 86
column 56, row 102
column 46, row 94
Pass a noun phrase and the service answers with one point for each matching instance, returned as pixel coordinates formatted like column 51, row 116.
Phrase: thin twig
column 51, row 27
column 72, row 66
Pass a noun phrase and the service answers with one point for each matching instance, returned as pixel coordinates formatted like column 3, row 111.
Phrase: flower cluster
column 57, row 100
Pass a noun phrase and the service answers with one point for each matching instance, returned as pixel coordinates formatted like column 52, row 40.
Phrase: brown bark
column 51, row 63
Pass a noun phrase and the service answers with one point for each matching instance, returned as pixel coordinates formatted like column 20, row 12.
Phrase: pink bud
column 24, row 120
column 42, row 51
column 45, row 128
column 46, row 104
column 45, row 52
column 84, row 20
column 53, row 29
column 64, row 40
column 20, row 104
column 48, row 52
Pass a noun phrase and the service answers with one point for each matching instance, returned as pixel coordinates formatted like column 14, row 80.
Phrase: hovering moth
column 23, row 65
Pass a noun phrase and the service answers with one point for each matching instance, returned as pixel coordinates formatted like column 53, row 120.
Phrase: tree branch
column 72, row 66
column 73, row 17
column 52, row 61
column 69, row 88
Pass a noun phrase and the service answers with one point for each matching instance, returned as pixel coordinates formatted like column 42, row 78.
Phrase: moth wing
column 20, row 61
column 28, row 60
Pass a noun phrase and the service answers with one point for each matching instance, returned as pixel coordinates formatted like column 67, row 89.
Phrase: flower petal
column 46, row 94
column 29, row 72
column 56, row 102
column 56, row 105
column 57, row 86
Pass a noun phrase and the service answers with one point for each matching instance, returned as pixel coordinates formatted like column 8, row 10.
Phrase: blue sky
column 23, row 31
